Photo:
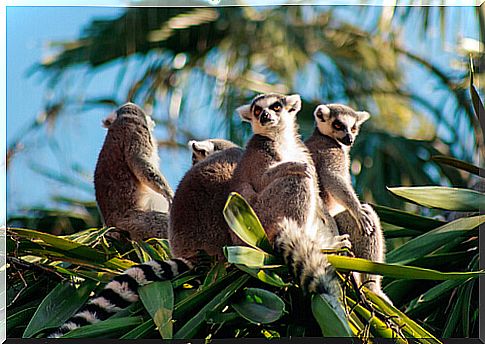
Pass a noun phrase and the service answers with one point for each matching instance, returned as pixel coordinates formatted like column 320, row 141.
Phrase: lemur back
column 198, row 201
column 131, row 193
column 196, row 220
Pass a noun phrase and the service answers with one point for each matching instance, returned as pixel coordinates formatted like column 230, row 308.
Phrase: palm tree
column 231, row 53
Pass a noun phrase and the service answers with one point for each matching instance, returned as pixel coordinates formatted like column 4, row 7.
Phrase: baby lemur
column 197, row 221
column 131, row 193
column 276, row 175
column 337, row 126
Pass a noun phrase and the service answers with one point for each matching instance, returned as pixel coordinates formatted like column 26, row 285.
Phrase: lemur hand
column 366, row 220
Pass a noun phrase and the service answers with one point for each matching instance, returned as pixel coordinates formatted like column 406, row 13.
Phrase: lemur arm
column 283, row 170
column 146, row 172
column 247, row 191
column 346, row 196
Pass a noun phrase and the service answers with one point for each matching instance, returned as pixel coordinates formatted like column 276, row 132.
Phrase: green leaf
column 477, row 102
column 89, row 237
column 342, row 263
column 249, row 256
column 141, row 331
column 429, row 242
column 68, row 250
column 267, row 276
column 406, row 219
column 259, row 306
column 19, row 318
column 105, row 329
column 330, row 323
column 61, row 303
column 432, row 295
column 410, row 328
column 459, row 164
column 215, row 274
column 157, row 297
column 244, row 223
column 193, row 302
column 442, row 197
column 191, row 327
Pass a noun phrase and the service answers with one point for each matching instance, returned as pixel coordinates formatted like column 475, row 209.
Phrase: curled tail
column 309, row 266
column 122, row 291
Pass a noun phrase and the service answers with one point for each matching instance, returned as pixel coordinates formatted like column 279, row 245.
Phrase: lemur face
column 340, row 122
column 202, row 149
column 268, row 112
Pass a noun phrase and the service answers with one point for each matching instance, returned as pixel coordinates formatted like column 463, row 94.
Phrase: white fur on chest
column 334, row 207
column 149, row 200
column 290, row 149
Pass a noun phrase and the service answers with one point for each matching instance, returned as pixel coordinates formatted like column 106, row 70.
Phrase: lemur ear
column 321, row 113
column 293, row 102
column 244, row 112
column 201, row 147
column 109, row 119
column 362, row 116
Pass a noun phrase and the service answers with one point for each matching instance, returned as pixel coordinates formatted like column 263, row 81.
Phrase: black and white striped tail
column 122, row 291
column 308, row 265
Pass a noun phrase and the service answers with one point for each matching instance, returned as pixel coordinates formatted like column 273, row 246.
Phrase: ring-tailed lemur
column 196, row 220
column 277, row 176
column 122, row 291
column 337, row 126
column 131, row 193
column 202, row 188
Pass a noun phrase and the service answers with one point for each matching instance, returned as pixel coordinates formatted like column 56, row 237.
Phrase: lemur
column 196, row 223
column 276, row 175
column 197, row 220
column 337, row 126
column 131, row 193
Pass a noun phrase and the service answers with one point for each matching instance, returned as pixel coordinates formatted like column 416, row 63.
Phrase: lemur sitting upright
column 337, row 126
column 197, row 223
column 131, row 193
column 277, row 176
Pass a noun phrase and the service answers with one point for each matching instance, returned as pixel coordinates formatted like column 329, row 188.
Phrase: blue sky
column 77, row 138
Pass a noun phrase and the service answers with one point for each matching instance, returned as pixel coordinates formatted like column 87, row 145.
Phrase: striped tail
column 122, row 291
column 308, row 265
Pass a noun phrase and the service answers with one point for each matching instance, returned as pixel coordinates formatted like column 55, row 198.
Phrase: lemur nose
column 347, row 140
column 265, row 117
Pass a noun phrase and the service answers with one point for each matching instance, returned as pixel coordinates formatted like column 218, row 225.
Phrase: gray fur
column 196, row 219
column 330, row 148
column 370, row 247
column 277, row 177
column 202, row 149
column 131, row 193
column 332, row 161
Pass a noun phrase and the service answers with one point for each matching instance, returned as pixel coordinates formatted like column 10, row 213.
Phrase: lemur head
column 202, row 149
column 129, row 109
column 339, row 122
column 269, row 112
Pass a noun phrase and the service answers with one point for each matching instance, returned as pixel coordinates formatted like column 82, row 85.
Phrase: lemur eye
column 276, row 107
column 354, row 129
column 337, row 126
column 257, row 110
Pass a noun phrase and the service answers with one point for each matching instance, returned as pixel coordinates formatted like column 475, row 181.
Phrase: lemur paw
column 366, row 220
column 341, row 241
column 297, row 168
